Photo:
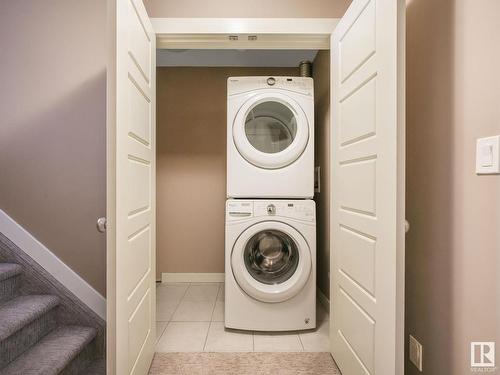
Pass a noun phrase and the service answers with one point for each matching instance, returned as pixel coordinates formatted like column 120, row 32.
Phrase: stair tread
column 20, row 311
column 52, row 353
column 8, row 270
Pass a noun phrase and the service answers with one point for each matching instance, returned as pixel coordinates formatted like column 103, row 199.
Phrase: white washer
column 270, row 137
column 270, row 277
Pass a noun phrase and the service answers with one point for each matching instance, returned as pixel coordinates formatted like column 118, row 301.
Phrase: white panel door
column 367, row 223
column 131, row 189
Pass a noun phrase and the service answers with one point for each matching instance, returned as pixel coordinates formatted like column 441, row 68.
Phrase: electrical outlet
column 416, row 353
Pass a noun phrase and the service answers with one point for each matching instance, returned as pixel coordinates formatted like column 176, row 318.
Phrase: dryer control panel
column 302, row 85
column 301, row 210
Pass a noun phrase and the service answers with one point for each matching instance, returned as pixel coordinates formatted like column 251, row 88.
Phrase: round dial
column 271, row 81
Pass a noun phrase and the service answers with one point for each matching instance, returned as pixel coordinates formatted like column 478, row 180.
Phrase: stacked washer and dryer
column 270, row 256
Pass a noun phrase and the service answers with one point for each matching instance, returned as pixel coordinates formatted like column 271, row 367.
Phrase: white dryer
column 270, row 265
column 270, row 137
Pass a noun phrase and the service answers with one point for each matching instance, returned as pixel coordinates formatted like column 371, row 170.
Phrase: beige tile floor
column 190, row 318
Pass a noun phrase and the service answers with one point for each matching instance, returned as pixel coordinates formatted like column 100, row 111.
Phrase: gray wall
column 52, row 126
column 453, row 247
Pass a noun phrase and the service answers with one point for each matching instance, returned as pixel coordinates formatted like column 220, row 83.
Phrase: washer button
column 271, row 81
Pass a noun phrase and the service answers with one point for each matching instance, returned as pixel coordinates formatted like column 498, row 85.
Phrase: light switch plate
column 488, row 155
column 416, row 353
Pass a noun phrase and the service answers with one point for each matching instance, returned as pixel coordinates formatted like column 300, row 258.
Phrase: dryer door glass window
column 270, row 127
column 271, row 257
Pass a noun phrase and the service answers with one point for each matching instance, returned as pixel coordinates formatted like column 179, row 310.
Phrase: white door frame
column 271, row 33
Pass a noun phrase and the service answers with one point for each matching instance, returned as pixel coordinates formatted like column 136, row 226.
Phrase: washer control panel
column 236, row 210
column 296, row 209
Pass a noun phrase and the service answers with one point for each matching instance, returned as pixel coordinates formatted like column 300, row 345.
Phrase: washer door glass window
column 271, row 257
column 271, row 261
column 271, row 130
column 270, row 127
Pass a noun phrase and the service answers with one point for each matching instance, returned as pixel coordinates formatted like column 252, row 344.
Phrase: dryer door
column 271, row 130
column 271, row 261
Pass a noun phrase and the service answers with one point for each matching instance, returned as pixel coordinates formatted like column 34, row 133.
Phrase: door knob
column 101, row 224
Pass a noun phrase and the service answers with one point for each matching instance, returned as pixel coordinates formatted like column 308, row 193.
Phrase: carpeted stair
column 31, row 340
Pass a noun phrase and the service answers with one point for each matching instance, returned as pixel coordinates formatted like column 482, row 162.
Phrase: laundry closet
column 173, row 137
column 191, row 152
column 191, row 144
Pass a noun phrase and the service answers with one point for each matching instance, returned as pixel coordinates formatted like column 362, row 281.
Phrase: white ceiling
column 228, row 57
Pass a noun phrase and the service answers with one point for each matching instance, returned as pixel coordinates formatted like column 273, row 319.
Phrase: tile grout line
column 162, row 332
column 215, row 303
column 301, row 343
column 179, row 303
column 170, row 319
column 206, row 337
column 211, row 317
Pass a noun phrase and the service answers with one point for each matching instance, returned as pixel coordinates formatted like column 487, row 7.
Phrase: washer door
column 271, row 261
column 271, row 130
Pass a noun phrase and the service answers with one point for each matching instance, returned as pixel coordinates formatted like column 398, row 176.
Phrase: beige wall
column 453, row 247
column 321, row 75
column 247, row 9
column 191, row 166
column 52, row 126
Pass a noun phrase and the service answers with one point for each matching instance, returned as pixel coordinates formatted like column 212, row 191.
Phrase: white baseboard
column 323, row 300
column 52, row 264
column 192, row 277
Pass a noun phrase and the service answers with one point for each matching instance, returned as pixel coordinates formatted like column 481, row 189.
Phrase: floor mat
column 243, row 364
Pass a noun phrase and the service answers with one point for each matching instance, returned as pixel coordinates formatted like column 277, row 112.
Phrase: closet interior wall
column 321, row 75
column 191, row 165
